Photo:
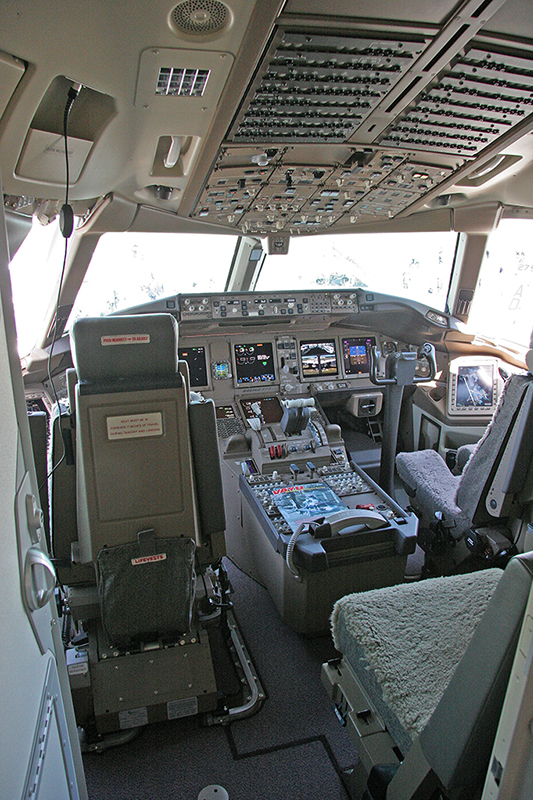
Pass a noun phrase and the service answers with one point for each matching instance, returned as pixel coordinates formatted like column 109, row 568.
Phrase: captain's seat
column 150, row 513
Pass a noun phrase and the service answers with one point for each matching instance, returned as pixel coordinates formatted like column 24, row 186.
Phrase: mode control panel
column 246, row 305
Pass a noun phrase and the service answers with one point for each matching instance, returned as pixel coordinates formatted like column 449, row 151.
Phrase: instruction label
column 148, row 559
column 187, row 707
column 135, row 426
column 126, row 338
column 133, row 718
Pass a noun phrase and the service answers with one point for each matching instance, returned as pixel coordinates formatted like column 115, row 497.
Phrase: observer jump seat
column 150, row 512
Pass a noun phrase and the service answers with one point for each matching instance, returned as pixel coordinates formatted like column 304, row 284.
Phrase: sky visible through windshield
column 130, row 269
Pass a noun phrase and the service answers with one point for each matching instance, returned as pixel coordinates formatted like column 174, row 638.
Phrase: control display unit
column 254, row 363
column 355, row 354
column 196, row 360
column 318, row 358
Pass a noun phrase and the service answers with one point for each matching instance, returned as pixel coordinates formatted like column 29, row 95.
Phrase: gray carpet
column 293, row 749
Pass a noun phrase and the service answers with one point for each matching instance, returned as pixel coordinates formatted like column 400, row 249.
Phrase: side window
column 503, row 300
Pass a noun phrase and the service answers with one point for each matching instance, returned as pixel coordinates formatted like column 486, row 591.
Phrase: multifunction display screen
column 319, row 359
column 268, row 409
column 474, row 387
column 254, row 363
column 355, row 354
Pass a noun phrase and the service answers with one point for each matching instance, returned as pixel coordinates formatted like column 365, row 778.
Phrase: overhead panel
column 313, row 87
column 369, row 183
column 343, row 128
column 481, row 97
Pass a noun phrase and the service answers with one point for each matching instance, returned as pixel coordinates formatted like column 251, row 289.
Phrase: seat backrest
column 133, row 450
column 510, row 430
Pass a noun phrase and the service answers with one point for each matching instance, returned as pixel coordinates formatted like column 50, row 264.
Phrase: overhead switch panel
column 320, row 88
column 484, row 95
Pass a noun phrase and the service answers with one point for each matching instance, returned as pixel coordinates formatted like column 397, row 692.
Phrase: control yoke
column 399, row 372
column 400, row 367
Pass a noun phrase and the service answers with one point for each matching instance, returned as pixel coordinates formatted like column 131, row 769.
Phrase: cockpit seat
column 423, row 675
column 150, row 515
column 493, row 477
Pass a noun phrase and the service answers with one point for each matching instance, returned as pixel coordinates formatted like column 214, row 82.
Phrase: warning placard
column 135, row 426
column 126, row 338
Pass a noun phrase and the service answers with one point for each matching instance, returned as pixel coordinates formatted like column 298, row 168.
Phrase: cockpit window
column 501, row 309
column 417, row 266
column 34, row 271
column 129, row 269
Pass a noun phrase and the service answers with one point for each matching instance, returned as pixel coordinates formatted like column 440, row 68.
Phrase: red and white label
column 126, row 338
column 148, row 559
column 134, row 426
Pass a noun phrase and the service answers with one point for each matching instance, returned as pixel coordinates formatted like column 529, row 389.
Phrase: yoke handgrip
column 427, row 351
column 400, row 367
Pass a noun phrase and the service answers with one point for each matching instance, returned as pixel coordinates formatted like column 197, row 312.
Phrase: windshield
column 129, row 269
column 34, row 271
column 417, row 266
column 501, row 309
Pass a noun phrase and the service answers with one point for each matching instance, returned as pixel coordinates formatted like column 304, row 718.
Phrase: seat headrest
column 120, row 353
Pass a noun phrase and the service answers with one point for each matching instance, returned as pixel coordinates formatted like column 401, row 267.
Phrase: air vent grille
column 484, row 95
column 320, row 88
column 182, row 82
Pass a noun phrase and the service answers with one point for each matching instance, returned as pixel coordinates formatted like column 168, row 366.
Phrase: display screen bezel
column 270, row 408
column 457, row 371
column 194, row 373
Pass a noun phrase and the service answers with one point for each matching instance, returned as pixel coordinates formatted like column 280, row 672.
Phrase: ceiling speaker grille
column 199, row 17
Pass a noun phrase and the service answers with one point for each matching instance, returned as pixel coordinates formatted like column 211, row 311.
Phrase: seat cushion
column 404, row 643
column 432, row 487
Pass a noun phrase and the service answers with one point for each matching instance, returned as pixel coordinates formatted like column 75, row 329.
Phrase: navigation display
column 268, row 409
column 474, row 387
column 195, row 358
column 355, row 354
column 254, row 363
column 319, row 359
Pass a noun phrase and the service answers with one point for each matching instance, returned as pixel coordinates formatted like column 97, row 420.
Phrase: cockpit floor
column 294, row 747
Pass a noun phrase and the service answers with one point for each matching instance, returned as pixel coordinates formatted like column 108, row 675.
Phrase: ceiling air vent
column 200, row 17
column 174, row 81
